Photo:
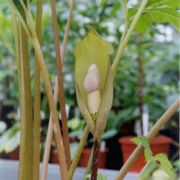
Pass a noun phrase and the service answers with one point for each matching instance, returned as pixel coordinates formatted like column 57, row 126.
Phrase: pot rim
column 155, row 140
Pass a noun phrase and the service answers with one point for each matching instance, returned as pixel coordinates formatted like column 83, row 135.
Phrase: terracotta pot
column 86, row 154
column 14, row 155
column 54, row 155
column 159, row 144
column 54, row 159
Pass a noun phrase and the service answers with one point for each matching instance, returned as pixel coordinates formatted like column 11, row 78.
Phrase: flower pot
column 54, row 155
column 158, row 144
column 54, row 158
column 86, row 154
column 14, row 155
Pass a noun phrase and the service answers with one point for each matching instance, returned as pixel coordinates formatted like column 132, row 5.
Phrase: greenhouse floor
column 9, row 171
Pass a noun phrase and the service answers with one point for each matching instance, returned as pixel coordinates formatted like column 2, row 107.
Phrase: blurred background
column 146, row 84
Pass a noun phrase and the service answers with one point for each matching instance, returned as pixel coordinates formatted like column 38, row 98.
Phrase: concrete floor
column 9, row 171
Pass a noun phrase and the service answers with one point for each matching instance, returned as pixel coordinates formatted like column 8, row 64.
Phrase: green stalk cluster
column 96, row 120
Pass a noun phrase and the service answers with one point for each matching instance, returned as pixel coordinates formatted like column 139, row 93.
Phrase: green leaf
column 143, row 24
column 163, row 11
column 74, row 124
column 144, row 141
column 18, row 5
column 165, row 15
column 13, row 143
column 102, row 2
column 109, row 134
column 115, row 9
column 147, row 172
column 92, row 50
column 176, row 165
column 165, row 164
column 131, row 13
column 3, row 126
column 170, row 3
column 3, row 140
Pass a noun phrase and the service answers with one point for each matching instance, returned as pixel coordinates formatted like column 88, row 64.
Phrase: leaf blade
column 144, row 141
column 165, row 163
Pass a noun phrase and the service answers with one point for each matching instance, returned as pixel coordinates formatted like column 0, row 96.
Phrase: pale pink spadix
column 92, row 79
column 92, row 86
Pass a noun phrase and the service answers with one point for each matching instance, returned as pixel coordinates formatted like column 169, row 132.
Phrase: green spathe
column 92, row 50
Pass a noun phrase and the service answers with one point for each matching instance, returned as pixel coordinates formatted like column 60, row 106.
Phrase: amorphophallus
column 94, row 81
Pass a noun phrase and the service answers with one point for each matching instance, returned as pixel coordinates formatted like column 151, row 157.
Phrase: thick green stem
column 127, row 36
column 155, row 129
column 78, row 153
column 37, row 120
column 26, row 140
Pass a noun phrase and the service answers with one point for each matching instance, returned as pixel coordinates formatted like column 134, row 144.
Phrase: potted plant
column 159, row 143
column 94, row 80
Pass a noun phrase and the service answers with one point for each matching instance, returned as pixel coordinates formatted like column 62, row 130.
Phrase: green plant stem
column 29, row 27
column 140, row 91
column 40, row 58
column 50, row 127
column 37, row 118
column 144, row 168
column 19, row 16
column 16, row 32
column 67, row 28
column 78, row 153
column 49, row 138
column 60, row 85
column 155, row 129
column 126, row 38
column 26, row 130
column 147, row 170
column 57, row 132
column 126, row 21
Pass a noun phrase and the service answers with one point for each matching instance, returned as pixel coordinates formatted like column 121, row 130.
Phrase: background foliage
column 154, row 43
